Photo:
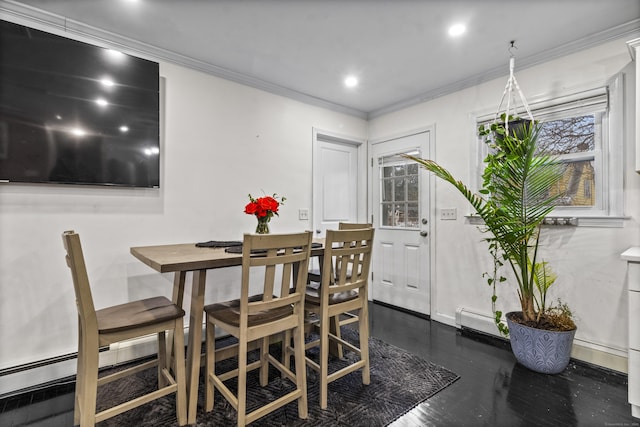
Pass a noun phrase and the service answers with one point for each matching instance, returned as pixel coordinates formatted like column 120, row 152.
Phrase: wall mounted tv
column 76, row 113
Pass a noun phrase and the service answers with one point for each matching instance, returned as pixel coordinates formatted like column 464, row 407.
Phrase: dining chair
column 349, row 317
column 345, row 318
column 314, row 274
column 279, row 264
column 345, row 271
column 99, row 328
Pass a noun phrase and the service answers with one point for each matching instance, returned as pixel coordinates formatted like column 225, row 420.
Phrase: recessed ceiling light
column 351, row 81
column 457, row 30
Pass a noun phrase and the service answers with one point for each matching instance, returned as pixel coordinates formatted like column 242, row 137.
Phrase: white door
column 335, row 184
column 400, row 213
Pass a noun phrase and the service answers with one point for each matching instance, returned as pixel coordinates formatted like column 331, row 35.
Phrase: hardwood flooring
column 493, row 390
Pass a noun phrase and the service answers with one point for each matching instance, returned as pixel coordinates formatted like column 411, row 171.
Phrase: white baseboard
column 47, row 373
column 593, row 353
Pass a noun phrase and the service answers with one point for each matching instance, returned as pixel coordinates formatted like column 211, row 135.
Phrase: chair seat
column 229, row 312
column 133, row 315
column 312, row 296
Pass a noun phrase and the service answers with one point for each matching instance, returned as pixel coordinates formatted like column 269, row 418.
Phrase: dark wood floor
column 493, row 390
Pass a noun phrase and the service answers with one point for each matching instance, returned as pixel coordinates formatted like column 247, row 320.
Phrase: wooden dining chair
column 345, row 318
column 345, row 272
column 314, row 274
column 276, row 307
column 99, row 328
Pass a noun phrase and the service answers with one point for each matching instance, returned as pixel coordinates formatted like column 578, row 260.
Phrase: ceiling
column 400, row 50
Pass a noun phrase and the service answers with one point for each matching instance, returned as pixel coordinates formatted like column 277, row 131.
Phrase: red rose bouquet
column 263, row 208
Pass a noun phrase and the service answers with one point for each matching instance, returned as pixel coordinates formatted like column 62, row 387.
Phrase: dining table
column 196, row 258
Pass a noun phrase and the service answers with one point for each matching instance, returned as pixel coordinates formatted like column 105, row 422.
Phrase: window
column 573, row 140
column 400, row 192
column 585, row 131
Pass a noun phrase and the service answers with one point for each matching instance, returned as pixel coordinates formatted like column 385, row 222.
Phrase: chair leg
column 210, row 364
column 336, row 347
column 324, row 361
column 364, row 340
column 301, row 370
column 89, row 385
column 264, row 359
column 286, row 354
column 79, row 378
column 179, row 372
column 242, row 381
column 162, row 359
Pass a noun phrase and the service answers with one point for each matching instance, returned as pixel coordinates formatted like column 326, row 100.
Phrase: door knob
column 424, row 220
column 424, row 233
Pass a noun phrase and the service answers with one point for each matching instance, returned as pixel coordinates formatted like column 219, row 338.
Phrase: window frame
column 608, row 102
column 394, row 160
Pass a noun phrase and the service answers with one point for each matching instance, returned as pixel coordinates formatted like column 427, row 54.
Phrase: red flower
column 262, row 207
column 250, row 208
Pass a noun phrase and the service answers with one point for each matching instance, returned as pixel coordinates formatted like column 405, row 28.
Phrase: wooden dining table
column 180, row 259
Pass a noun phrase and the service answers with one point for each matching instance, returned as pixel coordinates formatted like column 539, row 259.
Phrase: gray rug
column 399, row 381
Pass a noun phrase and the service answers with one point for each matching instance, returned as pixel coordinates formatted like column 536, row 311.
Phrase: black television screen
column 72, row 112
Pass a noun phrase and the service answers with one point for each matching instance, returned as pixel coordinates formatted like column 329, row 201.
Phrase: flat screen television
column 76, row 113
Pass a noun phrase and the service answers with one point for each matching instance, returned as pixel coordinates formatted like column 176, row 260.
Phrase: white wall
column 221, row 141
column 592, row 278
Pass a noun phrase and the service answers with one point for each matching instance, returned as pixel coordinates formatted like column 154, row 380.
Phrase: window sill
column 570, row 221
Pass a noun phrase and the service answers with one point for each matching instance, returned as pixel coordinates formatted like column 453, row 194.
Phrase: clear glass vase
column 263, row 225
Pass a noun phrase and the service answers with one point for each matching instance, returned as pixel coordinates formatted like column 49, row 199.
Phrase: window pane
column 387, row 190
column 399, row 189
column 413, row 215
column 387, row 171
column 569, row 135
column 393, row 215
column 412, row 188
column 577, row 184
column 399, row 170
column 386, row 214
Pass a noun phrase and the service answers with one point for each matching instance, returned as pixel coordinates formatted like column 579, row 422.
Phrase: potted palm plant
column 517, row 194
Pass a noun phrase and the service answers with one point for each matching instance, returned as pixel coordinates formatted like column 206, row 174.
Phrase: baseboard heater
column 40, row 374
column 597, row 354
column 478, row 321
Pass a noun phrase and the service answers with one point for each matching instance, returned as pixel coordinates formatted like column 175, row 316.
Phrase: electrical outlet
column 303, row 214
column 448, row 214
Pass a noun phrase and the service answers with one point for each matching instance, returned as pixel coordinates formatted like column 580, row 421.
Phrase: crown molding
column 16, row 12
column 630, row 29
column 26, row 15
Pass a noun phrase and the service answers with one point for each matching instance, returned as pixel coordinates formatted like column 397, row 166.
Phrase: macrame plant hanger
column 510, row 91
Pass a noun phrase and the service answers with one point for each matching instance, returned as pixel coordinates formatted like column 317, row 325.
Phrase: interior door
column 400, row 214
column 335, row 184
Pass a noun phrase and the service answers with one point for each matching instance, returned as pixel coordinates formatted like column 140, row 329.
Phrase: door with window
column 400, row 214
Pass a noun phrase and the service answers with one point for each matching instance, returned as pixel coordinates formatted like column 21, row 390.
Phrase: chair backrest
column 350, row 248
column 281, row 256
column 75, row 262
column 352, row 226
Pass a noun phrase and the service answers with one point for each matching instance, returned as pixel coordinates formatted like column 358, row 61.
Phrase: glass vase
column 263, row 225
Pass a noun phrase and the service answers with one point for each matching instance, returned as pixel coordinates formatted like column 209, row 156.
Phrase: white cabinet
column 632, row 256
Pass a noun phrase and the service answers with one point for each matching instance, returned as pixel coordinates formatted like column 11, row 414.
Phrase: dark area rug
column 399, row 381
